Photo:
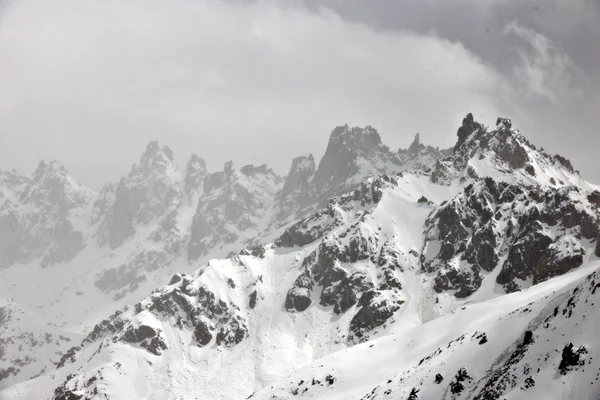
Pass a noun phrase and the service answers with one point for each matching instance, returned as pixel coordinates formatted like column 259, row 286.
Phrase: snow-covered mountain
column 192, row 284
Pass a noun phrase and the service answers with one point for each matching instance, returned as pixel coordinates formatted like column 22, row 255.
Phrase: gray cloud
column 90, row 83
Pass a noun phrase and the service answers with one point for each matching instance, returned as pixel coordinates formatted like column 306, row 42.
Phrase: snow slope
column 480, row 351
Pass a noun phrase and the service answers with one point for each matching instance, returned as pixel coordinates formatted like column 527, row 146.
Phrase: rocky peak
column 504, row 122
column 504, row 150
column 531, row 233
column 228, row 168
column 233, row 207
column 148, row 192
column 51, row 186
column 421, row 157
column 195, row 173
column 353, row 152
column 468, row 127
column 250, row 170
column 155, row 157
column 415, row 145
column 297, row 190
column 38, row 224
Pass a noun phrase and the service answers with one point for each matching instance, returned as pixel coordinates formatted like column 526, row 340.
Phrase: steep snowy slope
column 385, row 242
column 540, row 343
column 82, row 255
column 29, row 346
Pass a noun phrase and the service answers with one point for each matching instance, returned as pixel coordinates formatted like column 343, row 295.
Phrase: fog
column 91, row 83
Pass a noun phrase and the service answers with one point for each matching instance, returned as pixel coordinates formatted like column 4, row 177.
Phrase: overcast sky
column 90, row 83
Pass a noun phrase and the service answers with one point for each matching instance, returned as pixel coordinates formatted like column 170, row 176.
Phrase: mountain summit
column 461, row 273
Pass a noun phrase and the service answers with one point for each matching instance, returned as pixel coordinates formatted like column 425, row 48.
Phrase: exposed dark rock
column 514, row 154
column 554, row 264
column 466, row 129
column 571, row 357
column 483, row 339
column 298, row 297
column 464, row 282
column 438, row 378
column 195, row 173
column 252, row 301
column 256, row 251
column 471, row 173
column 457, row 385
column 597, row 252
column 63, row 393
column 375, row 311
column 146, row 336
column 413, row 394
column 232, row 203
column 345, row 148
column 297, row 192
column 423, row 200
column 530, row 170
column 175, row 279
column 564, row 162
column 482, row 251
column 594, row 198
column 68, row 357
column 146, row 193
column 232, row 333
column 330, row 379
column 202, row 334
column 414, row 146
column 505, row 122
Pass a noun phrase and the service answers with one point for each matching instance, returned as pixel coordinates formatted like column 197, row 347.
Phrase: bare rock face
column 195, row 173
column 298, row 191
column 564, row 162
column 539, row 233
column 421, row 157
column 468, row 127
column 147, row 337
column 37, row 216
column 299, row 296
column 232, row 206
column 345, row 289
column 146, row 193
column 504, row 122
column 351, row 155
column 597, row 252
column 318, row 223
column 502, row 146
column 375, row 310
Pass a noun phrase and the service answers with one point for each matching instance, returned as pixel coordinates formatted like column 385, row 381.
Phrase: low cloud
column 90, row 83
column 544, row 69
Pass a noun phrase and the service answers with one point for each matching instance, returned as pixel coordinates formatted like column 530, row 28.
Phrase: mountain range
column 422, row 273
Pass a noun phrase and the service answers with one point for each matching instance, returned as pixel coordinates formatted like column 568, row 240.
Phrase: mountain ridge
column 392, row 239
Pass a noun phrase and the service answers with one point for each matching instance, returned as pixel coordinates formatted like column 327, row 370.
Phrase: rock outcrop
column 39, row 216
column 538, row 233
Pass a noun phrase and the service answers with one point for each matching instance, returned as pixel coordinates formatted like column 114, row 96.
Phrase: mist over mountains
column 364, row 275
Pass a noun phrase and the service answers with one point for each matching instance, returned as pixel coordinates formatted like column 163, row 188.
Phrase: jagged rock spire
column 469, row 125
column 195, row 172
column 414, row 147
